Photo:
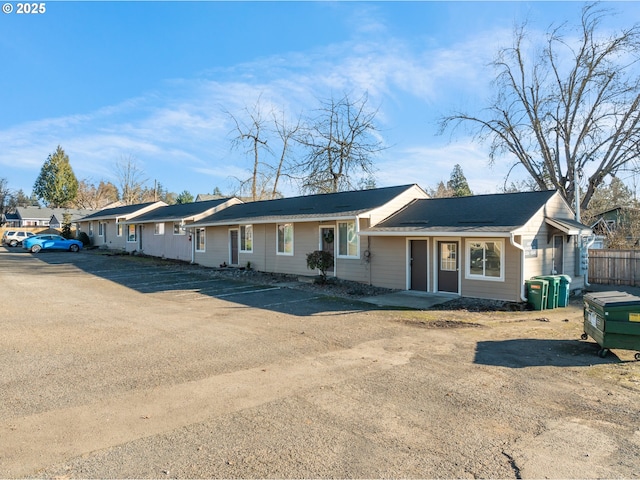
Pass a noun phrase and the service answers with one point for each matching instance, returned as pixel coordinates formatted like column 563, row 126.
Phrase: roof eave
column 263, row 221
column 435, row 233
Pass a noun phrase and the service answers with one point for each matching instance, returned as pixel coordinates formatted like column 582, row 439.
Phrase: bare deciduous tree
column 575, row 109
column 341, row 141
column 268, row 139
column 288, row 134
column 130, row 179
column 251, row 133
column 93, row 197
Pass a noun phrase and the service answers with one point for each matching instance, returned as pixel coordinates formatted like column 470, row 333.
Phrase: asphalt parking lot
column 127, row 367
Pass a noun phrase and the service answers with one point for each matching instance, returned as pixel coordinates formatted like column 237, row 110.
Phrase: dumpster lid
column 612, row 298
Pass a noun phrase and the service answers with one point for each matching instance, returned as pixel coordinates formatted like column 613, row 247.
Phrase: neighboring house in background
column 106, row 227
column 616, row 220
column 164, row 228
column 204, row 197
column 276, row 235
column 482, row 246
column 43, row 217
column 11, row 220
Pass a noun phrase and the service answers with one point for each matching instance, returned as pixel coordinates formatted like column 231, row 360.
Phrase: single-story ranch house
column 483, row 246
column 162, row 231
column 106, row 228
column 44, row 217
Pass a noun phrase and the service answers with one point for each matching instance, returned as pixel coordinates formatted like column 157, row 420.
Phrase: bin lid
column 536, row 281
column 613, row 298
column 549, row 278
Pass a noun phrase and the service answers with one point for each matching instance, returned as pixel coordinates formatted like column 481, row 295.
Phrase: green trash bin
column 612, row 319
column 537, row 292
column 554, row 289
column 563, row 296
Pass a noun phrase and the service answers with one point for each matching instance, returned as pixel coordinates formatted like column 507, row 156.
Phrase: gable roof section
column 181, row 212
column 326, row 206
column 44, row 213
column 497, row 213
column 126, row 211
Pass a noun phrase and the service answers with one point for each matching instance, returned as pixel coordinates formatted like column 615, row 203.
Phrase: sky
column 155, row 82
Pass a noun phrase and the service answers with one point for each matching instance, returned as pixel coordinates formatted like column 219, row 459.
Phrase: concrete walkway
column 410, row 299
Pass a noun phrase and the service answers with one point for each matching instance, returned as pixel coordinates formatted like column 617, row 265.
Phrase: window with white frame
column 118, row 229
column 101, row 229
column 178, row 229
column 347, row 239
column 285, row 239
column 200, row 240
column 91, row 229
column 485, row 259
column 246, row 238
column 131, row 233
column 159, row 229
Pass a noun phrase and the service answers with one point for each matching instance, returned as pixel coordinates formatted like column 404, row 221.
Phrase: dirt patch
column 142, row 369
column 440, row 324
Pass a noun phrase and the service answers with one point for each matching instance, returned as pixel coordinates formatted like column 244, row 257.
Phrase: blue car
column 51, row 242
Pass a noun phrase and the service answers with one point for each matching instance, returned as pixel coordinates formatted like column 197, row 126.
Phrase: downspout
column 523, row 293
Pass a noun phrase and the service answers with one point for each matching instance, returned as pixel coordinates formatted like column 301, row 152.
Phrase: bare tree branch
column 341, row 141
column 574, row 108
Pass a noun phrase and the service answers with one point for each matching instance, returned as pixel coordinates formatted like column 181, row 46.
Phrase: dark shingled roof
column 117, row 211
column 478, row 213
column 179, row 212
column 328, row 205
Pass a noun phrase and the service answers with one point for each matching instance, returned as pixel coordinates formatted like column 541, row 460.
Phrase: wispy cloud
column 183, row 124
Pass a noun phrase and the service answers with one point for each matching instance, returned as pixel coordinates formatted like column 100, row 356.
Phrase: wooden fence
column 614, row 267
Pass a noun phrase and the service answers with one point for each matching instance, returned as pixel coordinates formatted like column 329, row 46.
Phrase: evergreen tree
column 458, row 183
column 57, row 184
column 184, row 197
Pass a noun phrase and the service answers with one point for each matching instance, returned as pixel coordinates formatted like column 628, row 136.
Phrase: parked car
column 15, row 237
column 51, row 242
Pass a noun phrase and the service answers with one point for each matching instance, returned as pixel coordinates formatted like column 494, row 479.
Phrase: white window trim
column 204, row 237
column 467, row 252
column 288, row 254
column 240, row 244
column 160, row 230
column 337, row 240
column 118, row 229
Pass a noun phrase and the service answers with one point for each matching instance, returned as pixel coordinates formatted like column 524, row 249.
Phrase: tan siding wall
column 538, row 229
column 258, row 256
column 306, row 238
column 168, row 245
column 112, row 240
column 389, row 262
column 509, row 289
column 355, row 269
column 216, row 247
